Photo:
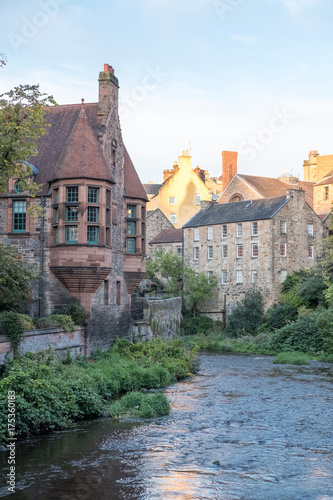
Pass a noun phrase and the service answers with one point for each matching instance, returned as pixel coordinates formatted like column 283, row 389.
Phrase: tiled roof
column 132, row 184
column 169, row 236
column 152, row 188
column 268, row 187
column 242, row 211
column 327, row 180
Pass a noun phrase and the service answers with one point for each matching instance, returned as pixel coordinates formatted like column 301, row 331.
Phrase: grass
column 292, row 358
column 140, row 405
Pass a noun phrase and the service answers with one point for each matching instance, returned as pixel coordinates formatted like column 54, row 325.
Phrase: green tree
column 15, row 279
column 22, row 122
column 247, row 316
column 197, row 289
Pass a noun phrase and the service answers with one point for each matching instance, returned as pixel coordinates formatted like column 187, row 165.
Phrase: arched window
column 236, row 197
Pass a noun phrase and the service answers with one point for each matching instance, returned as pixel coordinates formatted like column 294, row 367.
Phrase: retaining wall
column 161, row 318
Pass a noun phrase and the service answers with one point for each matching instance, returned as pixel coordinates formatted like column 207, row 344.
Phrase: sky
column 253, row 76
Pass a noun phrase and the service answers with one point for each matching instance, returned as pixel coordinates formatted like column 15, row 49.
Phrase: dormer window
column 18, row 188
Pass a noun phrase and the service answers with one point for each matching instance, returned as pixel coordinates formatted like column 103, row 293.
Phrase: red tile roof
column 324, row 182
column 132, row 184
column 169, row 236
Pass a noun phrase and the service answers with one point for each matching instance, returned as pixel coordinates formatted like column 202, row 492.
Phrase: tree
column 22, row 122
column 180, row 280
column 14, row 279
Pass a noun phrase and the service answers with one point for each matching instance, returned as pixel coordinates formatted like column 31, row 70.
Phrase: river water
column 242, row 429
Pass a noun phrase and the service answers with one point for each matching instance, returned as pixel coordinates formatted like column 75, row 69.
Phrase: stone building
column 156, row 223
column 91, row 244
column 319, row 169
column 168, row 240
column 253, row 245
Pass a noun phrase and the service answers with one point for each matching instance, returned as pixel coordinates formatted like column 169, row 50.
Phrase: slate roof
column 152, row 188
column 242, row 211
column 169, row 236
column 71, row 149
column 268, row 187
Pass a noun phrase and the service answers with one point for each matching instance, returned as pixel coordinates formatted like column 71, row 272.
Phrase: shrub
column 247, row 316
column 13, row 324
column 278, row 316
column 301, row 335
column 291, row 358
column 196, row 326
column 57, row 320
column 141, row 405
column 77, row 312
column 304, row 288
column 324, row 324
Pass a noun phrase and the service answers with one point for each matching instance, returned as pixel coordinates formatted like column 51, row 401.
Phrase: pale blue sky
column 254, row 76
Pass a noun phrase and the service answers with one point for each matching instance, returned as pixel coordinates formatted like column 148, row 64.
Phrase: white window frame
column 209, row 232
column 210, row 252
column 173, row 218
column 254, row 245
column 283, row 227
column 224, row 251
column 239, row 230
column 210, row 274
column 172, row 200
column 196, row 234
column 254, row 232
column 196, row 253
column 310, row 229
column 224, row 277
column 239, row 277
column 179, row 251
column 224, row 234
column 254, row 273
column 197, row 198
column 285, row 248
column 283, row 275
column 237, row 253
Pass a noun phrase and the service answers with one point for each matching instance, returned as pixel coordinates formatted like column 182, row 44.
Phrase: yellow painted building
column 181, row 193
column 319, row 169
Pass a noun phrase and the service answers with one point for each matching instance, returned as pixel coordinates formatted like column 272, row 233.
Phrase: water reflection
column 243, row 429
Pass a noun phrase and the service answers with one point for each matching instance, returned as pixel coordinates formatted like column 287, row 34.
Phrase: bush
column 247, row 316
column 279, row 315
column 57, row 320
column 304, row 288
column 77, row 312
column 14, row 324
column 300, row 335
column 324, row 324
column 141, row 405
column 196, row 326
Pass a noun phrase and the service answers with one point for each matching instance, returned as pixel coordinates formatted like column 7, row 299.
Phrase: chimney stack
column 229, row 167
column 108, row 90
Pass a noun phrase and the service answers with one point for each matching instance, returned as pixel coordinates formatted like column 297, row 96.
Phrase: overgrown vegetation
column 52, row 394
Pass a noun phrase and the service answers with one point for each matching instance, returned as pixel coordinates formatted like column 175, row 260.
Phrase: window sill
column 18, row 234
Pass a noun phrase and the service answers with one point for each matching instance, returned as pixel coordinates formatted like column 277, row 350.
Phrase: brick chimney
column 229, row 167
column 108, row 90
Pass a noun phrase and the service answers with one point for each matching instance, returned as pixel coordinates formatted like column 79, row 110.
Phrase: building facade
column 253, row 245
column 169, row 240
column 91, row 243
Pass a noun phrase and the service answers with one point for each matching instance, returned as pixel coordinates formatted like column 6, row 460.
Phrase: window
column 71, row 234
column 224, row 251
column 118, row 293
column 254, row 250
column 72, row 214
column 254, row 276
column 283, row 275
column 224, row 276
column 326, row 193
column 239, row 277
column 209, row 233
column 56, row 196
column 239, row 251
column 72, row 194
column 19, row 216
column 254, row 227
column 18, row 188
column 106, row 292
column 171, row 200
column 210, row 274
column 131, row 211
column 283, row 249
column 92, row 234
column 93, row 195
column 310, row 252
column 108, row 237
column 56, row 215
column 283, row 227
column 224, row 231
column 108, row 198
column 93, row 214
column 173, row 218
column 210, row 252
column 131, row 227
column 179, row 252
column 196, row 234
column 196, row 253
column 239, row 230
column 197, row 199
column 55, row 235
column 130, row 245
column 114, row 214
column 310, row 230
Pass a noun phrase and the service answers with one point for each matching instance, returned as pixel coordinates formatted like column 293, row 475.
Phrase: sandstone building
column 168, row 240
column 253, row 244
column 319, row 169
column 91, row 245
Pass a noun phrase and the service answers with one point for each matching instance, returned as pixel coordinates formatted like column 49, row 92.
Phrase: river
column 242, row 429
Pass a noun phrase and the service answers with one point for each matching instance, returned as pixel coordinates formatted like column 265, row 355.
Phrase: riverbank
column 48, row 394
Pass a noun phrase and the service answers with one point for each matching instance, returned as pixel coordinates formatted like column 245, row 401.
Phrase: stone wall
column 161, row 318
column 39, row 340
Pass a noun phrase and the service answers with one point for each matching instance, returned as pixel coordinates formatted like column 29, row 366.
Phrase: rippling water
column 242, row 429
